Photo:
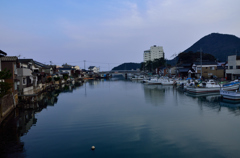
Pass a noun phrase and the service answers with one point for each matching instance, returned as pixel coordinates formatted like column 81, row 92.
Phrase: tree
column 4, row 86
column 65, row 77
column 149, row 65
column 192, row 57
column 142, row 66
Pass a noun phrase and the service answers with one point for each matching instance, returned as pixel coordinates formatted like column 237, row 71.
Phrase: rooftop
column 9, row 58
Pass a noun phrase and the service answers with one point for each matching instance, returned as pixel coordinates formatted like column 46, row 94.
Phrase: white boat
column 138, row 78
column 230, row 95
column 153, row 81
column 211, row 87
column 168, row 82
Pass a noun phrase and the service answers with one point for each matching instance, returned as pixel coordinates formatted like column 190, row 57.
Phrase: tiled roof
column 65, row 68
column 91, row 67
column 183, row 69
column 2, row 52
column 25, row 60
column 206, row 63
column 41, row 64
column 9, row 58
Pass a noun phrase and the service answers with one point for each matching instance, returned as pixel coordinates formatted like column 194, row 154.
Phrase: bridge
column 122, row 73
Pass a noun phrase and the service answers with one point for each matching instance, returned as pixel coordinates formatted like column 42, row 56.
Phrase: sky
column 107, row 33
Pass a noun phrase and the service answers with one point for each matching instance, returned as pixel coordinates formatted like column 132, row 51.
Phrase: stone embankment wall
column 7, row 104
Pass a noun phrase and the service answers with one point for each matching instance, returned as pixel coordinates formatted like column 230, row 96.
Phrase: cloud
column 116, row 31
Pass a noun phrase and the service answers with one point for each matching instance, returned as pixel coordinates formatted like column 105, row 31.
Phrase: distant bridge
column 122, row 73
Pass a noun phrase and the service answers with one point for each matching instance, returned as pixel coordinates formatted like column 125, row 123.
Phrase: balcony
column 24, row 72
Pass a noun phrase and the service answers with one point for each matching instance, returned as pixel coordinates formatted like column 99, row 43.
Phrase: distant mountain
column 128, row 66
column 218, row 45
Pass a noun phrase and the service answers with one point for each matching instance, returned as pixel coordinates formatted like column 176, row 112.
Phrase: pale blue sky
column 109, row 31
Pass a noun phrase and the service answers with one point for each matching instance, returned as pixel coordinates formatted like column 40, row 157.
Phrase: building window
column 24, row 81
column 237, row 67
column 15, row 85
column 199, row 68
column 230, row 67
column 211, row 68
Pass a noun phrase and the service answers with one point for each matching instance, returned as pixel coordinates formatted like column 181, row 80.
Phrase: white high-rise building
column 155, row 52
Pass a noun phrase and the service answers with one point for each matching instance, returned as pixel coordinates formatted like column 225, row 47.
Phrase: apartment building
column 155, row 52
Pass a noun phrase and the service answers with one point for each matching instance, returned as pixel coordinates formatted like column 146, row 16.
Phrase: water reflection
column 123, row 120
column 22, row 119
column 216, row 102
column 232, row 106
column 154, row 94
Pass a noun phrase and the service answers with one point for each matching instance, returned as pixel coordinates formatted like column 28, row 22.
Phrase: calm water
column 123, row 119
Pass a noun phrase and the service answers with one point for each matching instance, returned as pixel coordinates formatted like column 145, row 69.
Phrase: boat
column 153, row 81
column 137, row 78
column 167, row 82
column 231, row 95
column 211, row 87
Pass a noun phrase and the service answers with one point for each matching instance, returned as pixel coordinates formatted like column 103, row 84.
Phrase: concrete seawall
column 7, row 104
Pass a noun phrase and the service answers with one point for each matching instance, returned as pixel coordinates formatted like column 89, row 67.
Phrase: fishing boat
column 167, row 82
column 211, row 87
column 137, row 78
column 231, row 95
column 153, row 81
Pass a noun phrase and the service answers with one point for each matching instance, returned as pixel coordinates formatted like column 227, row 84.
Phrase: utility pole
column 84, row 63
column 201, row 61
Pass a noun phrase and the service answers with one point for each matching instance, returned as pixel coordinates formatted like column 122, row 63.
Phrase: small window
column 15, row 85
column 237, row 67
column 212, row 68
column 230, row 67
column 24, row 81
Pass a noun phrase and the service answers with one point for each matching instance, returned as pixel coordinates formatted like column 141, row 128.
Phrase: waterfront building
column 233, row 69
column 155, row 52
column 209, row 69
column 93, row 69
column 10, row 63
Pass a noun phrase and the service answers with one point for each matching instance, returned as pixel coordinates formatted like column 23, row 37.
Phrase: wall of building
column 12, row 67
column 7, row 104
column 207, row 72
column 155, row 52
column 233, row 71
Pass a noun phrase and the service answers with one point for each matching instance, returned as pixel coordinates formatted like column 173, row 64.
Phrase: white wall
column 24, row 72
column 155, row 52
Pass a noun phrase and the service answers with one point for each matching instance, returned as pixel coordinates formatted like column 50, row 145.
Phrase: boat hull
column 230, row 95
column 198, row 90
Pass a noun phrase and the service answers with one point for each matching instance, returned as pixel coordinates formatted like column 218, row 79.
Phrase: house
column 164, row 71
column 208, row 69
column 71, row 66
column 47, row 69
column 93, row 69
column 233, row 67
column 10, row 63
column 173, row 71
column 67, row 71
column 185, row 70
column 25, row 71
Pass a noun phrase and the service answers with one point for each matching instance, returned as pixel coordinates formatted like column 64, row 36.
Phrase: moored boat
column 211, row 87
column 230, row 95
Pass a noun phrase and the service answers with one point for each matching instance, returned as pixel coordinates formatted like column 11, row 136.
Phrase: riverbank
column 29, row 97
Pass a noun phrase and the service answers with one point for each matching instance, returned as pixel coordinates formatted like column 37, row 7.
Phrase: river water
column 122, row 119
